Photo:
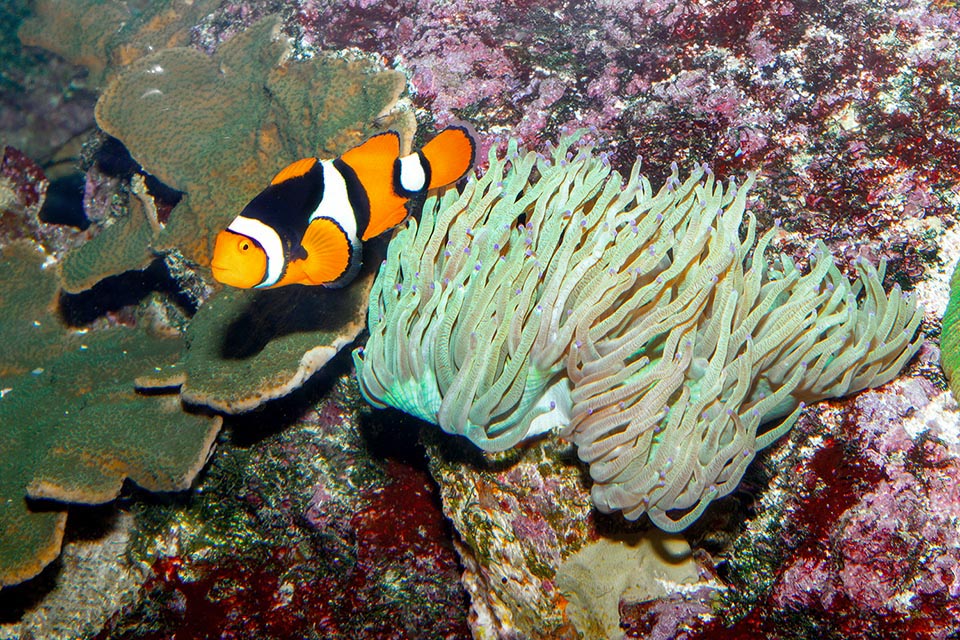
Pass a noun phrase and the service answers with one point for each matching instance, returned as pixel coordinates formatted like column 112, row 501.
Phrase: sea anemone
column 644, row 327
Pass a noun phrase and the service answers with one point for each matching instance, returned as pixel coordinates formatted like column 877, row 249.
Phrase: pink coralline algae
column 23, row 191
column 24, row 176
column 869, row 540
column 845, row 111
column 661, row 619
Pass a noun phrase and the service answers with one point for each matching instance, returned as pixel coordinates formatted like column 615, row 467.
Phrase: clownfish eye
column 244, row 246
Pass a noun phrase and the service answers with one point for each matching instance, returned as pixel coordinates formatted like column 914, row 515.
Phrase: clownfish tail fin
column 450, row 155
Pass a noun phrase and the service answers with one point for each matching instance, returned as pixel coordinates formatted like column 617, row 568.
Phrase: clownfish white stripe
column 412, row 176
column 335, row 203
column 267, row 238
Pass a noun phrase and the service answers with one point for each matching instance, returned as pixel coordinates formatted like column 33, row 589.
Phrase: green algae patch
column 74, row 428
column 246, row 347
column 950, row 335
column 217, row 128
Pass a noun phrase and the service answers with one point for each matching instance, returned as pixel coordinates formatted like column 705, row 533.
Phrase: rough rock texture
column 525, row 528
column 856, row 535
column 312, row 525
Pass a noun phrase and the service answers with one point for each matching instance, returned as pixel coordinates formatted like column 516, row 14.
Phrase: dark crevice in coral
column 64, row 202
column 117, row 296
column 113, row 159
column 167, row 197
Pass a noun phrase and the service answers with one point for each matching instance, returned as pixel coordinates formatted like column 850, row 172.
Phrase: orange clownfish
column 308, row 225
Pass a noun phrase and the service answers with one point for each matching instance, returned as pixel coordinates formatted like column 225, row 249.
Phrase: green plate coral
column 104, row 36
column 244, row 347
column 217, row 128
column 73, row 427
column 647, row 328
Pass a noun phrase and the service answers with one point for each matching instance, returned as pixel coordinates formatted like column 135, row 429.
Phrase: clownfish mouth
column 225, row 275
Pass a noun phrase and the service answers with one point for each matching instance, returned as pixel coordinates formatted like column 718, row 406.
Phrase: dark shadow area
column 272, row 313
column 113, row 159
column 277, row 312
column 380, row 427
column 451, row 447
column 15, row 601
column 393, row 434
column 125, row 290
column 89, row 522
column 84, row 523
column 272, row 417
column 64, row 202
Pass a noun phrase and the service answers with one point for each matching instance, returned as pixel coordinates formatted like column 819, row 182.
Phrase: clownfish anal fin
column 329, row 253
column 450, row 154
column 294, row 170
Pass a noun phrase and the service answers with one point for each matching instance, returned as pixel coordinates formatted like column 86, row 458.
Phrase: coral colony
column 94, row 431
column 288, row 348
column 637, row 325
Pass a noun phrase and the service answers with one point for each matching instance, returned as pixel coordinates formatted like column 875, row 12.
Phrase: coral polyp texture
column 649, row 328
column 91, row 430
column 104, row 36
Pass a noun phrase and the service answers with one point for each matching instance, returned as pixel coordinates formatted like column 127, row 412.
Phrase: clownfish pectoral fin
column 294, row 170
column 450, row 155
column 331, row 258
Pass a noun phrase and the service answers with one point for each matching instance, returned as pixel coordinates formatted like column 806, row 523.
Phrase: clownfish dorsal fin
column 329, row 253
column 450, row 155
column 372, row 164
column 294, row 170
column 384, row 146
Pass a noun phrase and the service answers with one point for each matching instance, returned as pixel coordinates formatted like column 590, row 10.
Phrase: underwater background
column 183, row 460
